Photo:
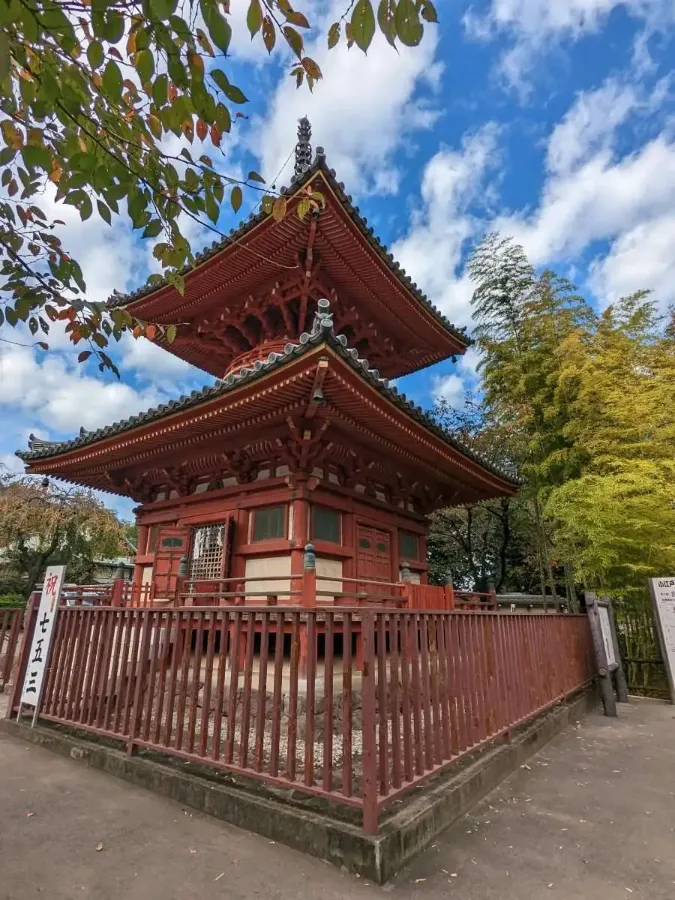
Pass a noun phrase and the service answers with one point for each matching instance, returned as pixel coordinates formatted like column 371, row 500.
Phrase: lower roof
column 161, row 425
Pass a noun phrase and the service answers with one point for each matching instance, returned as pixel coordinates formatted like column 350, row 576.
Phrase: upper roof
column 322, row 333
column 374, row 302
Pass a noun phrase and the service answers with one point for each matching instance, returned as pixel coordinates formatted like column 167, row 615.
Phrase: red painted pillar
column 308, row 599
column 300, row 505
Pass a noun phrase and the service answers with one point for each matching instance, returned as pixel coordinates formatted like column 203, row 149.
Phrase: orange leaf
column 202, row 129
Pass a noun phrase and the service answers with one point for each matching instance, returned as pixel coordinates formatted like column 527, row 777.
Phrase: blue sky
column 550, row 120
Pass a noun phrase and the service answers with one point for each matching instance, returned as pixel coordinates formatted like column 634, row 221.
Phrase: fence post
column 492, row 590
column 140, row 665
column 29, row 623
column 370, row 779
column 602, row 666
column 449, row 592
column 619, row 674
column 116, row 592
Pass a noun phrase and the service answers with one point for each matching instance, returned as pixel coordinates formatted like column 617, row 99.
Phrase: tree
column 522, row 318
column 90, row 90
column 487, row 542
column 616, row 517
column 43, row 524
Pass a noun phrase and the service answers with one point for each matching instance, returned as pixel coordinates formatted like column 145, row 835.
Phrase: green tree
column 522, row 317
column 89, row 90
column 43, row 524
column 615, row 518
column 486, row 543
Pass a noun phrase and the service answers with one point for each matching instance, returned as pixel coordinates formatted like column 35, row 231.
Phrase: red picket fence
column 10, row 639
column 223, row 687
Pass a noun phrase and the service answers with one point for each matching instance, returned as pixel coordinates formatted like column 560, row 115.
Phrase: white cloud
column 431, row 251
column 601, row 200
column 141, row 355
column 454, row 387
column 590, row 125
column 62, row 397
column 450, row 388
column 537, row 25
column 10, row 462
column 363, row 110
column 592, row 122
column 640, row 258
column 592, row 195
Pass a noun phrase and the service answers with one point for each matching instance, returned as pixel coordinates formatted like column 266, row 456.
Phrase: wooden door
column 173, row 542
column 373, row 558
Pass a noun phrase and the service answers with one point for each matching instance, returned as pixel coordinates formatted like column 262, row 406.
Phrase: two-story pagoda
column 301, row 438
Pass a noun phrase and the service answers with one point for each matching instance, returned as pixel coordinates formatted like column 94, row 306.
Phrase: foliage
column 522, row 317
column 91, row 92
column 43, row 524
column 487, row 542
column 616, row 518
column 12, row 601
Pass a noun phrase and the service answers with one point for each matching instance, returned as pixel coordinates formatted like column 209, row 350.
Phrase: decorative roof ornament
column 323, row 318
column 303, row 149
column 36, row 443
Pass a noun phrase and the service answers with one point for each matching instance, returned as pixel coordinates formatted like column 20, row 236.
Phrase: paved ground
column 591, row 818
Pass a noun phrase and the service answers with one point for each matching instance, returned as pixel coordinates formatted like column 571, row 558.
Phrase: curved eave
column 162, row 303
column 58, row 457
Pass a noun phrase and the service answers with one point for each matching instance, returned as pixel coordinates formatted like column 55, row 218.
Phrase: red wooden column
column 303, row 563
column 141, row 549
column 308, row 600
column 300, row 505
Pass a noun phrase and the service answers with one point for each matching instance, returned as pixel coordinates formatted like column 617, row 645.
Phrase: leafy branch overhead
column 93, row 94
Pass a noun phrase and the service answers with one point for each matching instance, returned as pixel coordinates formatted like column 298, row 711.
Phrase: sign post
column 31, row 694
column 662, row 592
column 604, row 651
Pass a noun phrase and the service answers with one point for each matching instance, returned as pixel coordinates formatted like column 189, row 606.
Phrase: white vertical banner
column 42, row 638
column 663, row 601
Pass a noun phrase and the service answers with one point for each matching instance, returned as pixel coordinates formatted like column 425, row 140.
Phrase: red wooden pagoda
column 301, row 438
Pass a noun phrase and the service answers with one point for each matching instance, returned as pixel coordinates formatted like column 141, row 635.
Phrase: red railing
column 307, row 590
column 225, row 686
column 11, row 621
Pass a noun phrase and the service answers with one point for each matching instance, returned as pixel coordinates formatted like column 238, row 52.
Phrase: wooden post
column 29, row 622
column 370, row 779
column 449, row 592
column 116, row 596
column 619, row 673
column 138, row 569
column 492, row 590
column 604, row 678
column 308, row 600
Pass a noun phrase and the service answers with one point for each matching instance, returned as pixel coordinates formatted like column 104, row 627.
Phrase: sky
column 552, row 121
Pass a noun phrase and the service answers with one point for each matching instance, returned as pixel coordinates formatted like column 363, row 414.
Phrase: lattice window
column 208, row 552
column 408, row 544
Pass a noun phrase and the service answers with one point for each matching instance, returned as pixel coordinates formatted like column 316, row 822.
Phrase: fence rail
column 387, row 698
column 11, row 621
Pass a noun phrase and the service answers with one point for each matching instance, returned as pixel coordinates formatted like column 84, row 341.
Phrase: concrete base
column 410, row 824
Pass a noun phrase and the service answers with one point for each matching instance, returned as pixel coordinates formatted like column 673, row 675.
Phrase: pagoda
column 301, row 438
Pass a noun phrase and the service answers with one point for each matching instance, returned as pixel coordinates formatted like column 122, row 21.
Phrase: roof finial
column 323, row 317
column 303, row 149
